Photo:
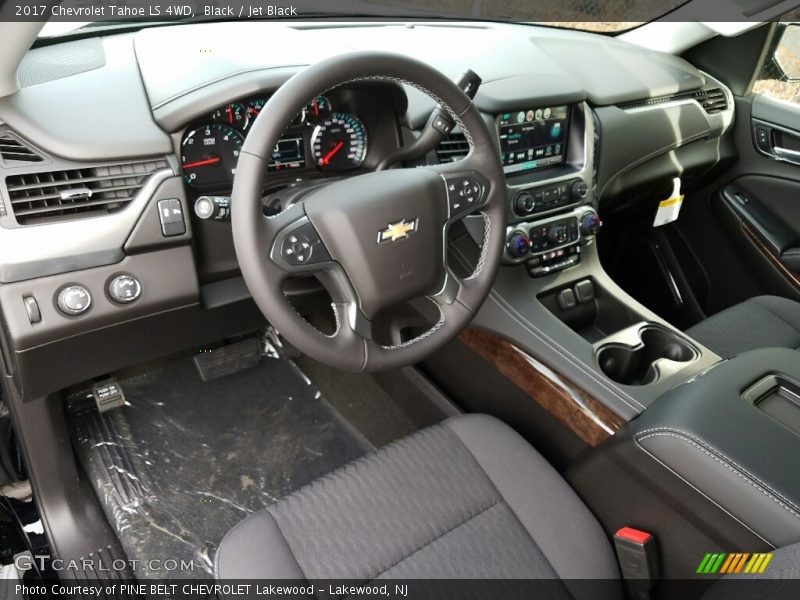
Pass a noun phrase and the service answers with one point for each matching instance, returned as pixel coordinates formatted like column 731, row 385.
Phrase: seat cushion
column 760, row 322
column 468, row 498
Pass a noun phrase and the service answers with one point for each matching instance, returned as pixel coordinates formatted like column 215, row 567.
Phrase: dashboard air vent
column 77, row 193
column 13, row 150
column 712, row 99
column 453, row 148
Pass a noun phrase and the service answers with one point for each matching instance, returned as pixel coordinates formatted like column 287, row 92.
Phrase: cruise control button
column 74, row 300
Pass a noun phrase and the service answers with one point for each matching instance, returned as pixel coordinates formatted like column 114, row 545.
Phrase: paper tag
column 669, row 209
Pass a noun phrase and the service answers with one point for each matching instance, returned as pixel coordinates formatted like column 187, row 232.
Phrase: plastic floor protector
column 184, row 461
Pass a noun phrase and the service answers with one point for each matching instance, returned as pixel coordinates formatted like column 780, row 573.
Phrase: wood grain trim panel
column 590, row 420
column 793, row 279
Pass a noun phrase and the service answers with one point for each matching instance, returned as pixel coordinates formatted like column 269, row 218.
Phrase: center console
column 552, row 299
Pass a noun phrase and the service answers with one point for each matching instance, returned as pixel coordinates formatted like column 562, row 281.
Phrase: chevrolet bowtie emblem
column 397, row 231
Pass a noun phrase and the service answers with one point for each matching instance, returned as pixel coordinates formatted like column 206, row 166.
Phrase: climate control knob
column 519, row 245
column 590, row 224
column 524, row 203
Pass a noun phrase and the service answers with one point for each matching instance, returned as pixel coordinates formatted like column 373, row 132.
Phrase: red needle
column 230, row 115
column 327, row 158
column 200, row 163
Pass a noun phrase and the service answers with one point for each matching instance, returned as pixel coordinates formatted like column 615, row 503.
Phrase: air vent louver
column 453, row 148
column 713, row 100
column 77, row 193
column 13, row 150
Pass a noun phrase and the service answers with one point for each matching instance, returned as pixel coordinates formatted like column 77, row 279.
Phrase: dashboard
column 85, row 183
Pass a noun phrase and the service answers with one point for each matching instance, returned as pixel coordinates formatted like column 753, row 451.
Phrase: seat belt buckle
column 637, row 554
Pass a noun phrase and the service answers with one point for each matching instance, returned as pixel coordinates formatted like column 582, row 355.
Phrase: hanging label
column 669, row 209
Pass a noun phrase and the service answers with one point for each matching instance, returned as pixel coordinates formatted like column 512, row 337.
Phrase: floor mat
column 360, row 400
column 184, row 461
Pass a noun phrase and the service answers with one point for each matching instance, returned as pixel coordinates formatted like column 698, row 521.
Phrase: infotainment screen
column 533, row 138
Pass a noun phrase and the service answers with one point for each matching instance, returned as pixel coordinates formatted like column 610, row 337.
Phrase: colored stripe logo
column 737, row 562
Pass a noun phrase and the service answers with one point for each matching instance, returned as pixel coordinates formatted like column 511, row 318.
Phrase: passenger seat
column 760, row 322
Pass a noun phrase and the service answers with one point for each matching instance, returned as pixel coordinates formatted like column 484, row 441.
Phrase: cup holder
column 641, row 364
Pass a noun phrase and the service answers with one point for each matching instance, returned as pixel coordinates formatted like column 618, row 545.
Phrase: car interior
column 383, row 301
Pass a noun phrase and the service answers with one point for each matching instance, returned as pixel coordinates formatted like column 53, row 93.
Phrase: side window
column 780, row 76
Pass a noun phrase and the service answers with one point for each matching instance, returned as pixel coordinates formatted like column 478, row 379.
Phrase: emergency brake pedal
column 229, row 359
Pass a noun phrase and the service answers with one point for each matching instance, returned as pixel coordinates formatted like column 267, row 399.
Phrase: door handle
column 768, row 139
column 786, row 154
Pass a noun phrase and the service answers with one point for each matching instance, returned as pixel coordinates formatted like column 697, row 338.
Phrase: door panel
column 758, row 203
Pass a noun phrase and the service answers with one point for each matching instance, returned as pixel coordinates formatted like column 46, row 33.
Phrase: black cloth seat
column 468, row 498
column 760, row 322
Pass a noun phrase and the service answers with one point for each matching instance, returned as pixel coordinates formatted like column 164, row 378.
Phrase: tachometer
column 339, row 142
column 210, row 154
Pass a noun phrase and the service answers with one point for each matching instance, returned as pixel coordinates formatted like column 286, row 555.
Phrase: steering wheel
column 374, row 240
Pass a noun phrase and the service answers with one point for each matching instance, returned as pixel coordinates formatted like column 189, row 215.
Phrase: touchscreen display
column 533, row 138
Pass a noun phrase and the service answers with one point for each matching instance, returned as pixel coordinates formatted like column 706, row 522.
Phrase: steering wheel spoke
column 449, row 291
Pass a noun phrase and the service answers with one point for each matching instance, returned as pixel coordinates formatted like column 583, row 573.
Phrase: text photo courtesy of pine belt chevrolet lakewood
column 383, row 299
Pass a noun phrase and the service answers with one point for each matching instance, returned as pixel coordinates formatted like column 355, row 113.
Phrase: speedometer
column 339, row 143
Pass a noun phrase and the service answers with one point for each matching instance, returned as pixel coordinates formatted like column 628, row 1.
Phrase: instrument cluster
column 320, row 138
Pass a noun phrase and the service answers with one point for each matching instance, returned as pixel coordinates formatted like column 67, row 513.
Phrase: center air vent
column 454, row 147
column 13, row 150
column 77, row 193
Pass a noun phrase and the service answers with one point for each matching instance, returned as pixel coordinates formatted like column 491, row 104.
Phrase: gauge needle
column 230, row 115
column 327, row 158
column 200, row 163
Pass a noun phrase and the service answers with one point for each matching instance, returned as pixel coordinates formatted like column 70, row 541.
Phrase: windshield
column 607, row 16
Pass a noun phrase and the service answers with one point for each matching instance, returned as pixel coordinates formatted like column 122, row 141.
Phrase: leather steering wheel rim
column 332, row 233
